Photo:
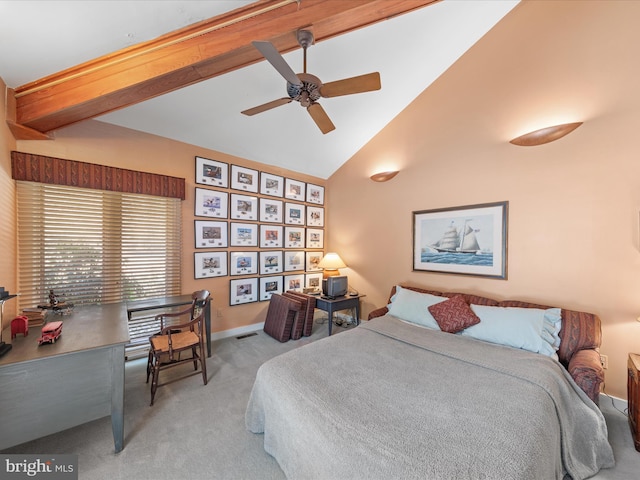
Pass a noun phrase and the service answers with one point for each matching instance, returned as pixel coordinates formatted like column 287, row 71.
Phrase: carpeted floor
column 197, row 432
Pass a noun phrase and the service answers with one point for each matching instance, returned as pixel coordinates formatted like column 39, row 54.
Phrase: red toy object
column 19, row 325
column 50, row 333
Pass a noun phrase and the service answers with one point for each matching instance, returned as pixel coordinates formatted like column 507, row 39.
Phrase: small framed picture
column 211, row 234
column 271, row 210
column 313, row 259
column 243, row 290
column 315, row 238
column 294, row 189
column 270, row 262
column 212, row 172
column 293, row 261
column 293, row 282
column 243, row 263
column 244, row 234
column 271, row 236
column 244, row 179
column 210, row 264
column 294, row 237
column 315, row 216
column 271, row 184
column 313, row 280
column 211, row 203
column 244, row 207
column 315, row 194
column 294, row 213
column 269, row 286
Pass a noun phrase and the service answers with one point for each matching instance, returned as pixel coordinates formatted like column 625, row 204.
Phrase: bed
column 394, row 398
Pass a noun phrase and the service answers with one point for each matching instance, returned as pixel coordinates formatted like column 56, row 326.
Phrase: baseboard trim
column 619, row 403
column 234, row 332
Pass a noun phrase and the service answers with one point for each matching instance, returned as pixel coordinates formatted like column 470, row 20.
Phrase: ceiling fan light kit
column 307, row 89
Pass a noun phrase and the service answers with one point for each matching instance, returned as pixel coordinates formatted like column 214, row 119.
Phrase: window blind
column 96, row 246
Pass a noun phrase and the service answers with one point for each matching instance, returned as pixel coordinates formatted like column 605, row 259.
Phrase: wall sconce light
column 331, row 262
column 383, row 176
column 545, row 135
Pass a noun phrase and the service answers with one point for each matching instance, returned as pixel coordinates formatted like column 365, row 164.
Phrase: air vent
column 246, row 335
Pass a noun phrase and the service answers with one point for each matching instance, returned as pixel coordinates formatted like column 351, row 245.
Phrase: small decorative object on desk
column 50, row 332
column 4, row 296
column 58, row 307
column 53, row 299
column 19, row 324
column 36, row 316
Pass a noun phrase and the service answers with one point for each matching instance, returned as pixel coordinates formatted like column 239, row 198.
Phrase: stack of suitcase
column 290, row 316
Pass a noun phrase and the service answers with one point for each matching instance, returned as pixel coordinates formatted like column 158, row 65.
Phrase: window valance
column 58, row 171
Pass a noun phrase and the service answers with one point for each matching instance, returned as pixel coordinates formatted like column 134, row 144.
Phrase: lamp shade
column 331, row 261
column 330, row 264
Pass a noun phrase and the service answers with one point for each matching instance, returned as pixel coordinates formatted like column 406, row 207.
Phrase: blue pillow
column 413, row 307
column 533, row 329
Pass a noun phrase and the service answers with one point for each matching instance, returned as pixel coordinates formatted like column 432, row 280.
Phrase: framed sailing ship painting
column 466, row 240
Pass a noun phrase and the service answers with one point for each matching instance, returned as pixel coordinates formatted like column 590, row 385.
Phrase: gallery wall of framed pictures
column 264, row 231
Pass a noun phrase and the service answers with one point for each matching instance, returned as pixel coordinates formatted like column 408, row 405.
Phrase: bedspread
column 392, row 400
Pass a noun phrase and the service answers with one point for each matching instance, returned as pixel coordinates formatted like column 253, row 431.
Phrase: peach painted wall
column 102, row 143
column 573, row 205
column 7, row 216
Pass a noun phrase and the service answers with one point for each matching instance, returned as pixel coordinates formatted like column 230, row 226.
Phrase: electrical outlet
column 604, row 361
column 219, row 312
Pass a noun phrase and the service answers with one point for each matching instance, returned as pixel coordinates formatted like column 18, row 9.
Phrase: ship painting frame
column 465, row 240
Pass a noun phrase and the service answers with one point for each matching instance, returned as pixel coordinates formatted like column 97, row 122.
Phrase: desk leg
column 330, row 319
column 207, row 327
column 358, row 312
column 117, row 396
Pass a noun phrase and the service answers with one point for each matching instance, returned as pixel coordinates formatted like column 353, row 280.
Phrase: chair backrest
column 178, row 320
column 201, row 300
column 200, row 303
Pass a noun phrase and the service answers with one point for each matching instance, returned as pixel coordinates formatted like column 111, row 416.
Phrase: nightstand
column 633, row 397
column 331, row 305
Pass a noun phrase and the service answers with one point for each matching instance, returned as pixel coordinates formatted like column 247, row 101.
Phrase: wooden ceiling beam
column 189, row 55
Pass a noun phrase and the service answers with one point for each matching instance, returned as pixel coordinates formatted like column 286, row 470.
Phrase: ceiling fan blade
column 320, row 117
column 266, row 106
column 273, row 56
column 359, row 84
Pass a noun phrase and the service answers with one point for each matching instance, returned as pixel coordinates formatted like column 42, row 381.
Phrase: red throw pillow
column 453, row 315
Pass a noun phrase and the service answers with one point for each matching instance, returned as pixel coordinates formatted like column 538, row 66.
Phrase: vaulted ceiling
column 67, row 61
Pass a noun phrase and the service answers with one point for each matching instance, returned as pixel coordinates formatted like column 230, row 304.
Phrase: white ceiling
column 39, row 38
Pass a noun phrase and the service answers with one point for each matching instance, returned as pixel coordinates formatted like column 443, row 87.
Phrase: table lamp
column 330, row 263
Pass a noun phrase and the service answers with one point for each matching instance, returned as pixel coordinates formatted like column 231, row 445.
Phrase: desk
column 339, row 303
column 168, row 302
column 49, row 388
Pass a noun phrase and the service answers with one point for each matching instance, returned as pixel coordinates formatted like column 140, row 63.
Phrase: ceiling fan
column 305, row 88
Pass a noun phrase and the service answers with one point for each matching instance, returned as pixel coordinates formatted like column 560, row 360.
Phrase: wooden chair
column 167, row 347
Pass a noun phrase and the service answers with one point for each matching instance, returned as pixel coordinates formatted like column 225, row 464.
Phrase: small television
column 335, row 286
